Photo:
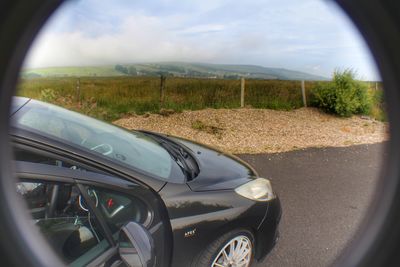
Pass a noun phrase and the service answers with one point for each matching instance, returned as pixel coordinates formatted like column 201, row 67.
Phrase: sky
column 312, row 36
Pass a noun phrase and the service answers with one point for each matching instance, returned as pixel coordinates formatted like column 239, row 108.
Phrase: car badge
column 190, row 233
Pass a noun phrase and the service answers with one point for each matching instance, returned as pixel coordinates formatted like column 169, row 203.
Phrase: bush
column 343, row 96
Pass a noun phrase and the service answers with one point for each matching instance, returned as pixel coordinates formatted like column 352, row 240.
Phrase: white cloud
column 302, row 35
column 205, row 28
column 140, row 38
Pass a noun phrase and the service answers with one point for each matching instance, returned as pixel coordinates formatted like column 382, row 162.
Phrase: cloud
column 290, row 34
column 205, row 28
column 140, row 38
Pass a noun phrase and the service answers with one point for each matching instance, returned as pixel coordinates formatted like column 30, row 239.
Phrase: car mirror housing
column 136, row 247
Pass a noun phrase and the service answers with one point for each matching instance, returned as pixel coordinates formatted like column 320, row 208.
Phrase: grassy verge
column 109, row 98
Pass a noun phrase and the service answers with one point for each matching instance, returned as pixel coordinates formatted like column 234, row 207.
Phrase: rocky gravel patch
column 251, row 130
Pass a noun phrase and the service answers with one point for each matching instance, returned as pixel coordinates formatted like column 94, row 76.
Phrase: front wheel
column 234, row 249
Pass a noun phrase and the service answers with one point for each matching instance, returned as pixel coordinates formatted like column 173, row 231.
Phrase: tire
column 212, row 253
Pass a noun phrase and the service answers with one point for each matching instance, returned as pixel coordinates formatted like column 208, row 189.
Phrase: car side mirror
column 136, row 247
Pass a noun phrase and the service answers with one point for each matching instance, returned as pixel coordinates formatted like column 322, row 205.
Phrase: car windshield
column 135, row 149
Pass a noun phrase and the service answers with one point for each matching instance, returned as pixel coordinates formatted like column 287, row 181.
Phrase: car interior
column 65, row 219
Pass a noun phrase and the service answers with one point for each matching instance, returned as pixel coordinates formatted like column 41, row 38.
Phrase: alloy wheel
column 236, row 253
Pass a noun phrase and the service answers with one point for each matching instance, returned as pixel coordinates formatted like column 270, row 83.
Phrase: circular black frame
column 378, row 238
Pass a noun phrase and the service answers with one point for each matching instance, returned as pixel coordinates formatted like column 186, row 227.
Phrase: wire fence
column 110, row 97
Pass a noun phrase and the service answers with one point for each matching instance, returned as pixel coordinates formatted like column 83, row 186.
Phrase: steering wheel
column 107, row 146
column 97, row 138
column 53, row 201
column 93, row 195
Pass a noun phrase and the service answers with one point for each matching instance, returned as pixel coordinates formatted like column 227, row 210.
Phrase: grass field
column 75, row 71
column 109, row 98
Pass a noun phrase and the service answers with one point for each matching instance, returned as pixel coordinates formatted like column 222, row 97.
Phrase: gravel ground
column 262, row 130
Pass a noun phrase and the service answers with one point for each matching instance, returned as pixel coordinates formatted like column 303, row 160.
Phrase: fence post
column 376, row 86
column 303, row 93
column 242, row 85
column 78, row 90
column 162, row 89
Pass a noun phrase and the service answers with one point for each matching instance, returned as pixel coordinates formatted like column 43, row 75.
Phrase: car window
column 119, row 208
column 64, row 219
column 25, row 155
column 134, row 149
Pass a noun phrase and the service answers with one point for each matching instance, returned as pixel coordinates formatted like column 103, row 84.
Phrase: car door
column 81, row 212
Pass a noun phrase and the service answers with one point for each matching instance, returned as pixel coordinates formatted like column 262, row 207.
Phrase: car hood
column 218, row 170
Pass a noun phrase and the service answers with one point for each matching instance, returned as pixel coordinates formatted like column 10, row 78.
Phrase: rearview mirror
column 136, row 247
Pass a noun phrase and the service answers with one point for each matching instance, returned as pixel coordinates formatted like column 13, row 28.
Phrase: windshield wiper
column 177, row 153
column 180, row 158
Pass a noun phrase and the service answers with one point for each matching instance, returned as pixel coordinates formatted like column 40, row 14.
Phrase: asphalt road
column 324, row 193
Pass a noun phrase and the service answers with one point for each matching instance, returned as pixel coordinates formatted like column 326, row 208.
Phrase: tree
column 122, row 69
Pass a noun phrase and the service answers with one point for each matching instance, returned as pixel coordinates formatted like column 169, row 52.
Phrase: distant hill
column 176, row 69
column 71, row 71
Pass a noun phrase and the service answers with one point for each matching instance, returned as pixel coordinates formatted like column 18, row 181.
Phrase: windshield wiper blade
column 178, row 154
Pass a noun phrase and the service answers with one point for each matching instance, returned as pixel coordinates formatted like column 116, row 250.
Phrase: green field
column 72, row 71
column 109, row 98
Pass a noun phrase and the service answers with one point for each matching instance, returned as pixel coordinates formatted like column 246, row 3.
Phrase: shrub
column 343, row 96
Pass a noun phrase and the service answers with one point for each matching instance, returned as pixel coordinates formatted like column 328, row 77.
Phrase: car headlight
column 259, row 189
